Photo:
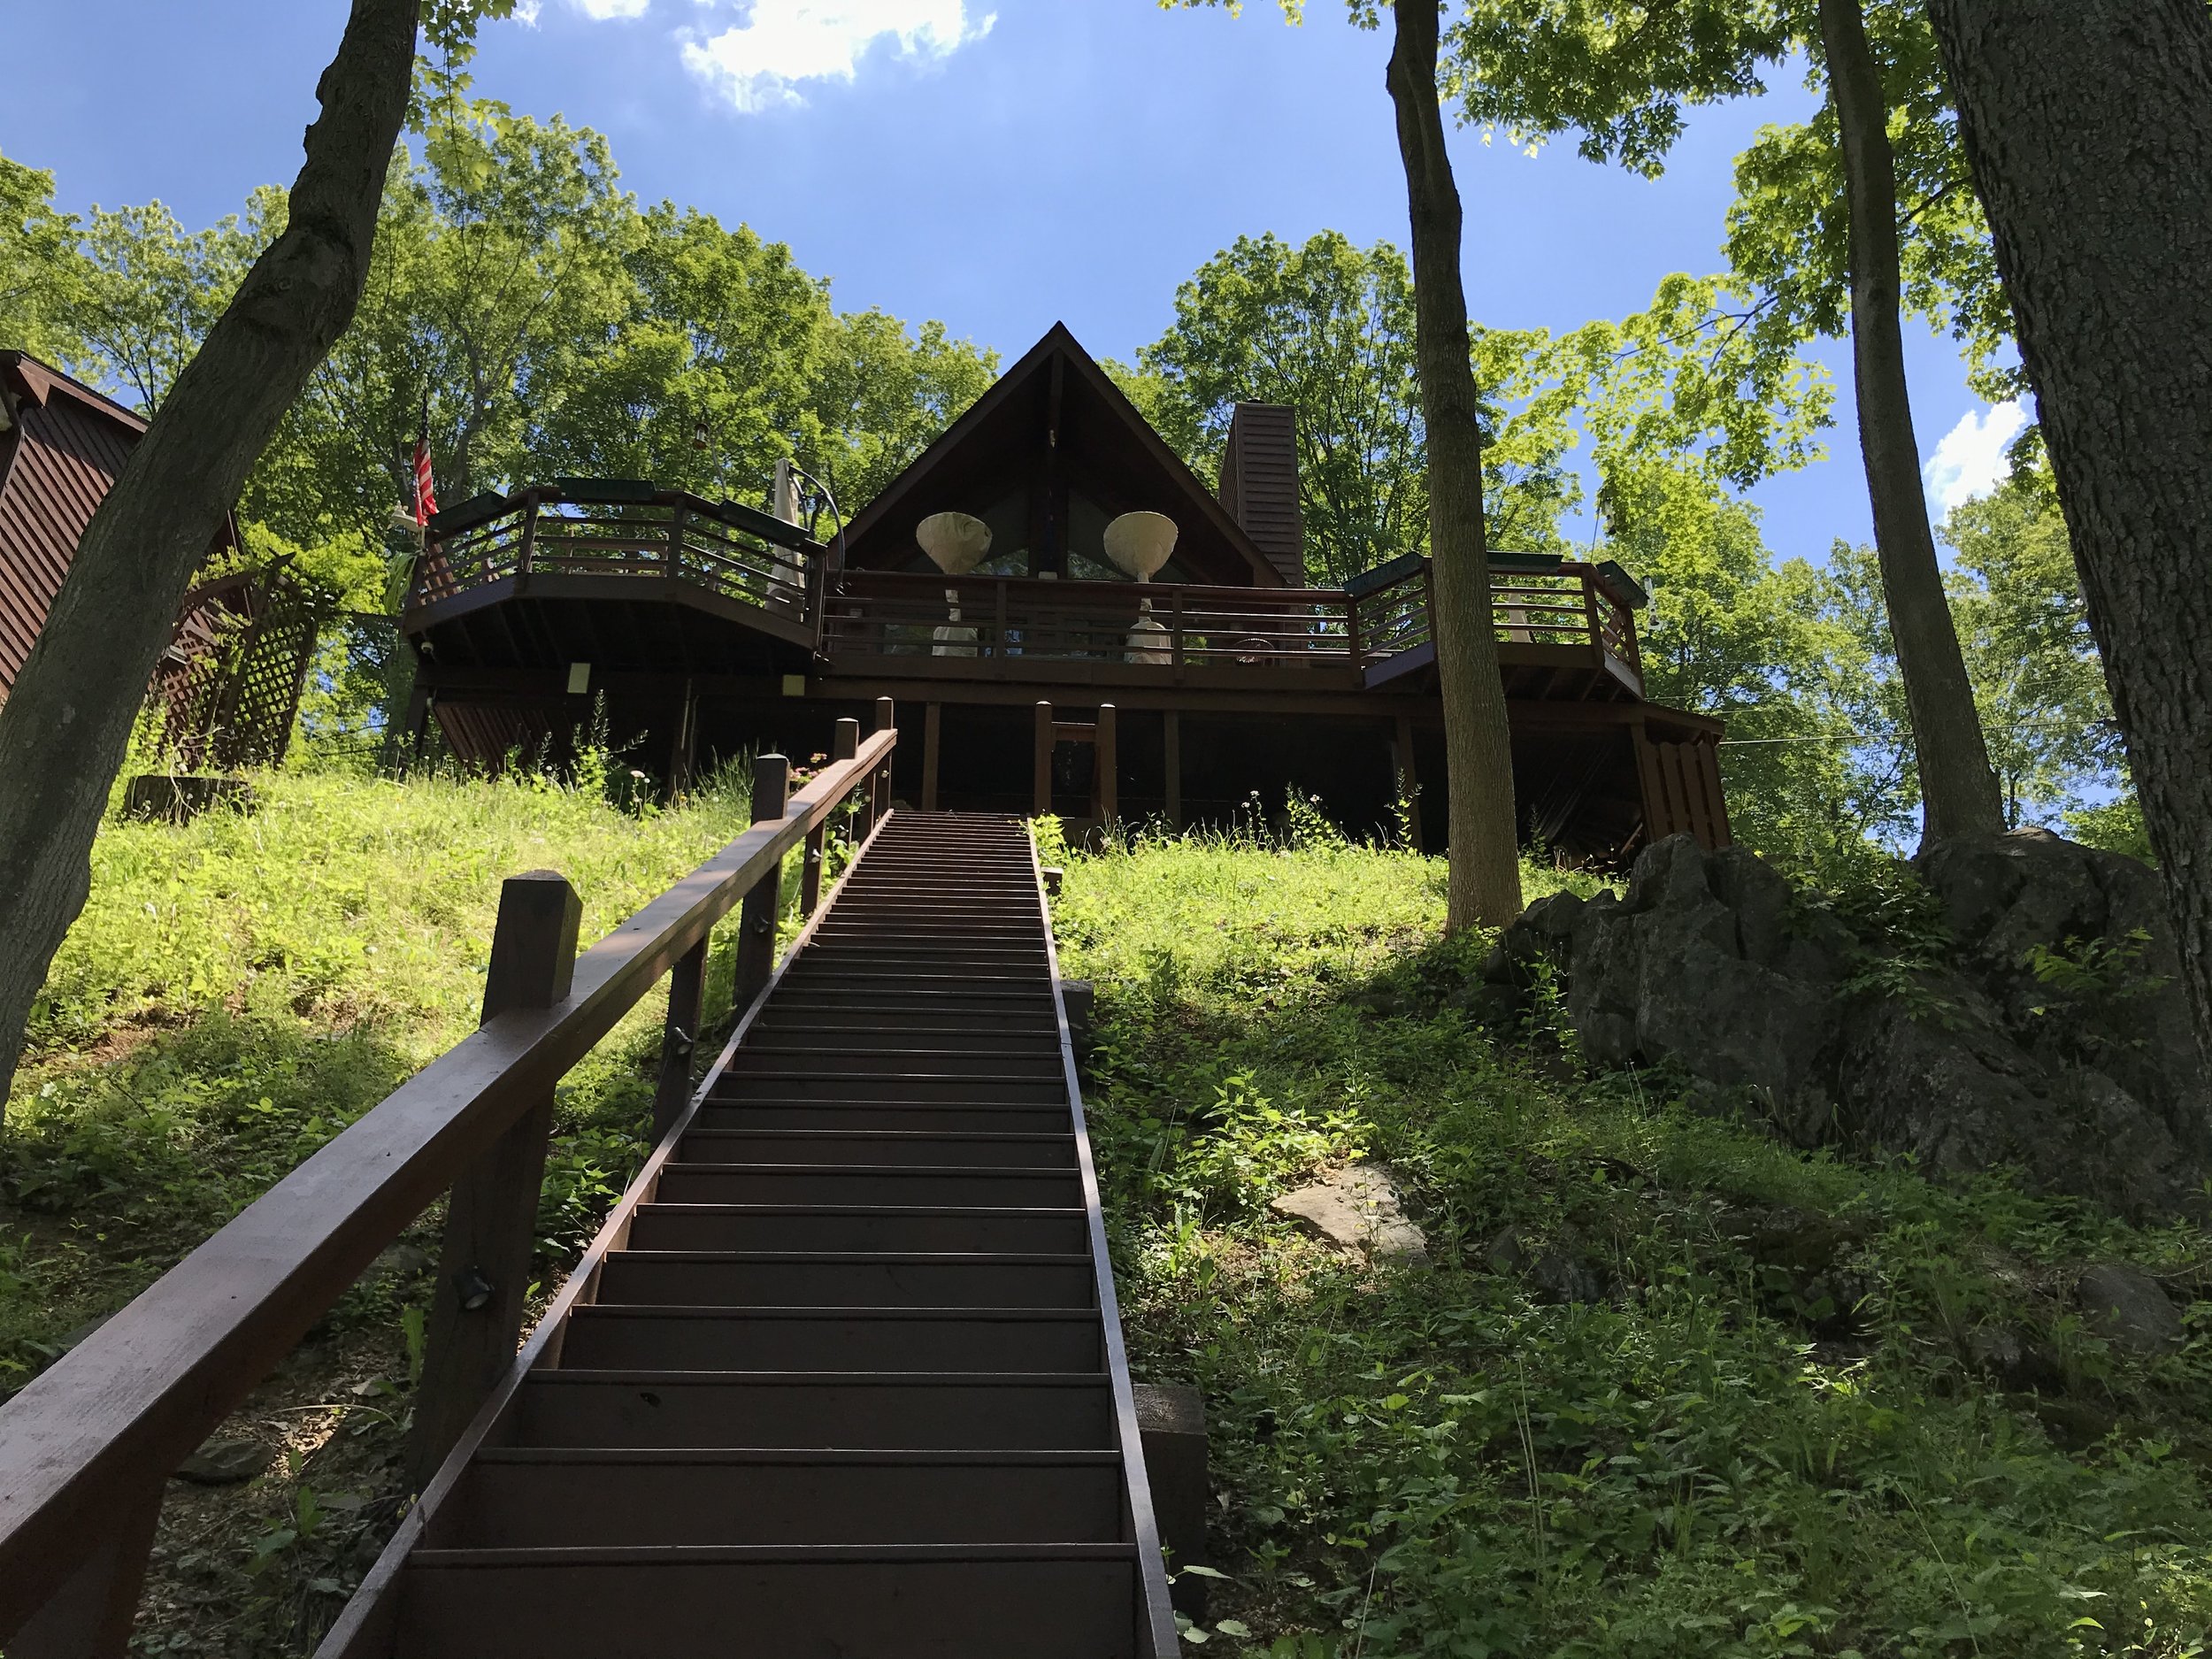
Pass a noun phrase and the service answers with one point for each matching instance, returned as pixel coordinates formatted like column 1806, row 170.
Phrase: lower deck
column 1593, row 781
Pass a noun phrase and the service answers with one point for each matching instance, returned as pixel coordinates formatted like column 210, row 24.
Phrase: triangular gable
column 1056, row 414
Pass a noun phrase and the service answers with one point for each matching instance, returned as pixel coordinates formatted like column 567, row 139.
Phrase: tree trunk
column 1958, row 790
column 1485, row 857
column 65, row 727
column 2085, row 122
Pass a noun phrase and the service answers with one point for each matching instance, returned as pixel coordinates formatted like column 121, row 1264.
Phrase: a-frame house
column 1041, row 676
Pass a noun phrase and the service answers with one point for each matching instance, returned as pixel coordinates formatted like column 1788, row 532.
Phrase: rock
column 1557, row 1268
column 2129, row 1309
column 1358, row 1208
column 225, row 1463
column 2086, row 1078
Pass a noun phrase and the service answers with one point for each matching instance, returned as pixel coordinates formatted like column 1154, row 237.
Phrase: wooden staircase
column 843, row 1374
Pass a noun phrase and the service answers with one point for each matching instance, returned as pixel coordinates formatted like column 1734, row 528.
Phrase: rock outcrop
column 2049, row 1033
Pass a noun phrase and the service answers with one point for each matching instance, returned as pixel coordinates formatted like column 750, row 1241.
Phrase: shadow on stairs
column 843, row 1374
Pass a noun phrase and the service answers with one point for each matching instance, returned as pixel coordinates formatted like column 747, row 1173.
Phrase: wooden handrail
column 86, row 1447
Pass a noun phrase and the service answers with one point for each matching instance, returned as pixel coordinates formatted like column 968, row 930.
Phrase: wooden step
column 878, row 1147
column 881, row 1184
column 945, row 1602
column 615, row 1337
column 739, row 1279
column 970, row 1116
column 520, row 1498
column 857, row 1228
column 881, row 1410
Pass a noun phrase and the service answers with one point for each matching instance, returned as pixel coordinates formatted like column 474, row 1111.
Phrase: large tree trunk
column 66, row 727
column 1958, row 790
column 2086, row 123
column 1485, row 856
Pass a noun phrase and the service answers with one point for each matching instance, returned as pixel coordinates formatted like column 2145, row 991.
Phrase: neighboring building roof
column 1057, row 407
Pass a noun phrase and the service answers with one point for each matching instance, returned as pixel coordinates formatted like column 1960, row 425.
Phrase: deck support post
column 684, row 751
column 491, row 1218
column 1103, row 769
column 1409, row 782
column 90, row 1613
column 1172, row 724
column 1040, row 793
column 756, row 917
column 680, row 1035
column 932, row 717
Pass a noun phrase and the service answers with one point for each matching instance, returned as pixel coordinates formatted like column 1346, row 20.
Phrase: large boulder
column 2052, row 1037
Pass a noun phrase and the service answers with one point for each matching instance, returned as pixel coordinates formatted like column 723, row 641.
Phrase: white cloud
column 601, row 10
column 1971, row 460
column 762, row 62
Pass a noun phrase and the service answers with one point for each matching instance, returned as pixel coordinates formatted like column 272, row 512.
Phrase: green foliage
column 1681, row 400
column 41, row 272
column 2036, row 672
column 240, row 989
column 1770, row 1434
column 1623, row 76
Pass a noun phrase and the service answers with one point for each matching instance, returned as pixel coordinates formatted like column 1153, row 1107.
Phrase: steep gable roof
column 1057, row 407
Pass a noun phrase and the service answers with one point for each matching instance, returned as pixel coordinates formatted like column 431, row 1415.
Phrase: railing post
column 1590, row 612
column 756, row 919
column 1102, row 760
column 674, row 568
column 491, row 1216
column 529, row 552
column 90, row 1613
column 1351, row 631
column 879, row 792
column 1175, row 633
column 845, row 746
column 1042, row 794
column 680, row 1034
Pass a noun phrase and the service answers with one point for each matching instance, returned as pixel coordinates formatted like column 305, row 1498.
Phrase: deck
column 626, row 577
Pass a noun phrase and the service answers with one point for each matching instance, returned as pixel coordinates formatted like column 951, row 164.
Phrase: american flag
column 426, row 489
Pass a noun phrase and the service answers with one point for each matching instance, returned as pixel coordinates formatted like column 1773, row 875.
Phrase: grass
column 1757, row 1412
column 235, row 993
column 1710, row 1396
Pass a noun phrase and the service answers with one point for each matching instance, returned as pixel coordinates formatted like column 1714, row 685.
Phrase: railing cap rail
column 113, row 1417
column 610, row 492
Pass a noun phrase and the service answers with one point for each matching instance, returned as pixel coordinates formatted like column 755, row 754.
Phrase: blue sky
column 996, row 164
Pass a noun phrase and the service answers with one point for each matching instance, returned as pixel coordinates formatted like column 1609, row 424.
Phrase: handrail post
column 90, row 1613
column 757, row 918
column 879, row 780
column 529, row 552
column 1103, row 763
column 680, row 1035
column 1041, row 801
column 1351, row 631
column 1590, row 613
column 491, row 1216
column 843, row 747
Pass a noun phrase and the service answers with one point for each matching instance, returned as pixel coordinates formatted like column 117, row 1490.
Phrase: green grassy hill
column 1711, row 1397
column 1667, row 1388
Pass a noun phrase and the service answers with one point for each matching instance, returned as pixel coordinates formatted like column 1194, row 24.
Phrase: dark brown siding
column 1259, row 484
column 65, row 455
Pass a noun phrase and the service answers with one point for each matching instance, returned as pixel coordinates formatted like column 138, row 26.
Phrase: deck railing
column 87, row 1449
column 616, row 527
column 1181, row 627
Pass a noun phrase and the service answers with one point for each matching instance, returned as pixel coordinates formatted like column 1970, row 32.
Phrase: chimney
column 1259, row 484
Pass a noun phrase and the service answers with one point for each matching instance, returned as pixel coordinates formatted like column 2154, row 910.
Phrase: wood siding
column 59, row 459
column 1259, row 485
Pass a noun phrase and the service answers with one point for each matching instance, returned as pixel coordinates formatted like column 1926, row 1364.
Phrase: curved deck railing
column 87, row 1449
column 618, row 527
